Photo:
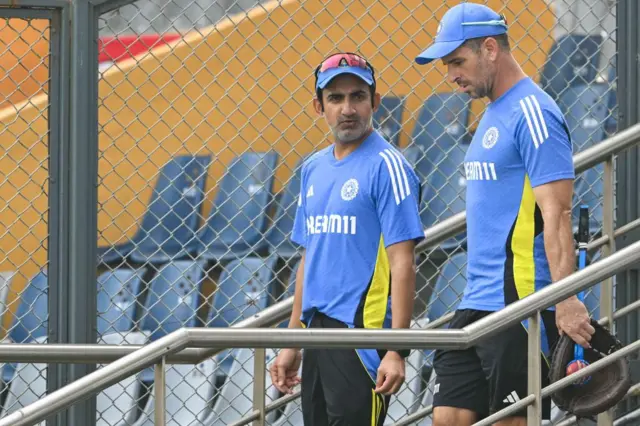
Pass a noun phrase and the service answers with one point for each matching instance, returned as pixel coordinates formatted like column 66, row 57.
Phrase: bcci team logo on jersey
column 490, row 138
column 349, row 190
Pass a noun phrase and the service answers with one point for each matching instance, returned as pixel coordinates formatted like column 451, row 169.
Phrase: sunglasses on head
column 346, row 59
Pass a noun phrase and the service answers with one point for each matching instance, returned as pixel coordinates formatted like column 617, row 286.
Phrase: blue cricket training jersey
column 521, row 142
column 348, row 212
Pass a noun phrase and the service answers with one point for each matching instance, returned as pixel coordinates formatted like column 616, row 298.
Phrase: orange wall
column 24, row 59
column 247, row 84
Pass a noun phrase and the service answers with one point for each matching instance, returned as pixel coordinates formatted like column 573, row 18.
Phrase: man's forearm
column 559, row 245
column 403, row 287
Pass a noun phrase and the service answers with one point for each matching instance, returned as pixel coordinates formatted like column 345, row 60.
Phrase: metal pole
column 606, row 293
column 83, row 205
column 159, row 393
column 57, row 270
column 534, row 383
column 628, row 163
column 259, row 384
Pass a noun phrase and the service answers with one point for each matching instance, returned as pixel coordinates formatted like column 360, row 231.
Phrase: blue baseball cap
column 461, row 23
column 343, row 63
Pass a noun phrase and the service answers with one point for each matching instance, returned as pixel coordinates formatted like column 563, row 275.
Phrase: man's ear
column 377, row 98
column 491, row 47
column 317, row 105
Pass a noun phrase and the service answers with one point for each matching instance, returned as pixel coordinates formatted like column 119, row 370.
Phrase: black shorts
column 493, row 374
column 336, row 389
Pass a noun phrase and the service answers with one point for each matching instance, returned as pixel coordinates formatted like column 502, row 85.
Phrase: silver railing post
column 534, row 384
column 159, row 393
column 606, row 291
column 259, row 384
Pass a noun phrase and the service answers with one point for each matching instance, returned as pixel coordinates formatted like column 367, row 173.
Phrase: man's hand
column 284, row 371
column 390, row 374
column 572, row 319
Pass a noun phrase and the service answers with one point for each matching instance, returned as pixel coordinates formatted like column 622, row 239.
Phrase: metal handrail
column 323, row 338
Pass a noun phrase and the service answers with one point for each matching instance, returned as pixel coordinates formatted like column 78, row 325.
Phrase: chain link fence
column 205, row 116
column 24, row 198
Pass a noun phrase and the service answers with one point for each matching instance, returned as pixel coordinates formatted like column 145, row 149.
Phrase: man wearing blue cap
column 358, row 223
column 519, row 172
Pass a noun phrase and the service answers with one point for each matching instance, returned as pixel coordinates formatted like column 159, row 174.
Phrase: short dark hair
column 475, row 43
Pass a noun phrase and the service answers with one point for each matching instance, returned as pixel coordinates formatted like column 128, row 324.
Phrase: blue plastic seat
column 31, row 319
column 278, row 237
column 586, row 115
column 388, row 118
column 442, row 124
column 172, row 302
column 172, row 217
column 443, row 194
column 243, row 291
column 238, row 219
column 118, row 293
column 573, row 60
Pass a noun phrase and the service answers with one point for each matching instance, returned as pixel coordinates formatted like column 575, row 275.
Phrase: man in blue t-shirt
column 358, row 223
column 519, row 172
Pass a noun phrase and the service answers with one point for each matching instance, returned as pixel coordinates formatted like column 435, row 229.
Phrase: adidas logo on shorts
column 512, row 398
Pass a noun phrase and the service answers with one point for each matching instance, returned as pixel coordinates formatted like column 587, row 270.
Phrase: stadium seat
column 442, row 124
column 238, row 219
column 189, row 394
column 586, row 114
column 118, row 293
column 31, row 319
column 236, row 394
column 573, row 60
column 278, row 237
column 172, row 302
column 443, row 194
column 172, row 217
column 242, row 292
column 388, row 118
column 115, row 406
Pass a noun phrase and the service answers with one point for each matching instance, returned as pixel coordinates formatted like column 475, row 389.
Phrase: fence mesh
column 24, row 201
column 205, row 115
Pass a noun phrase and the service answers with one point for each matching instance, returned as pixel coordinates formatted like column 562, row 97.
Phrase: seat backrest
column 587, row 112
column 443, row 194
column 449, row 287
column 31, row 319
column 189, row 391
column 175, row 207
column 236, row 394
column 442, row 123
column 28, row 385
column 243, row 291
column 572, row 60
column 118, row 293
column 239, row 213
column 173, row 299
column 117, row 404
column 586, row 108
column 279, row 235
column 388, row 118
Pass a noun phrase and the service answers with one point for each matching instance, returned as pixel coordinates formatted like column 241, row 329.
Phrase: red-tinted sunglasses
column 346, row 59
